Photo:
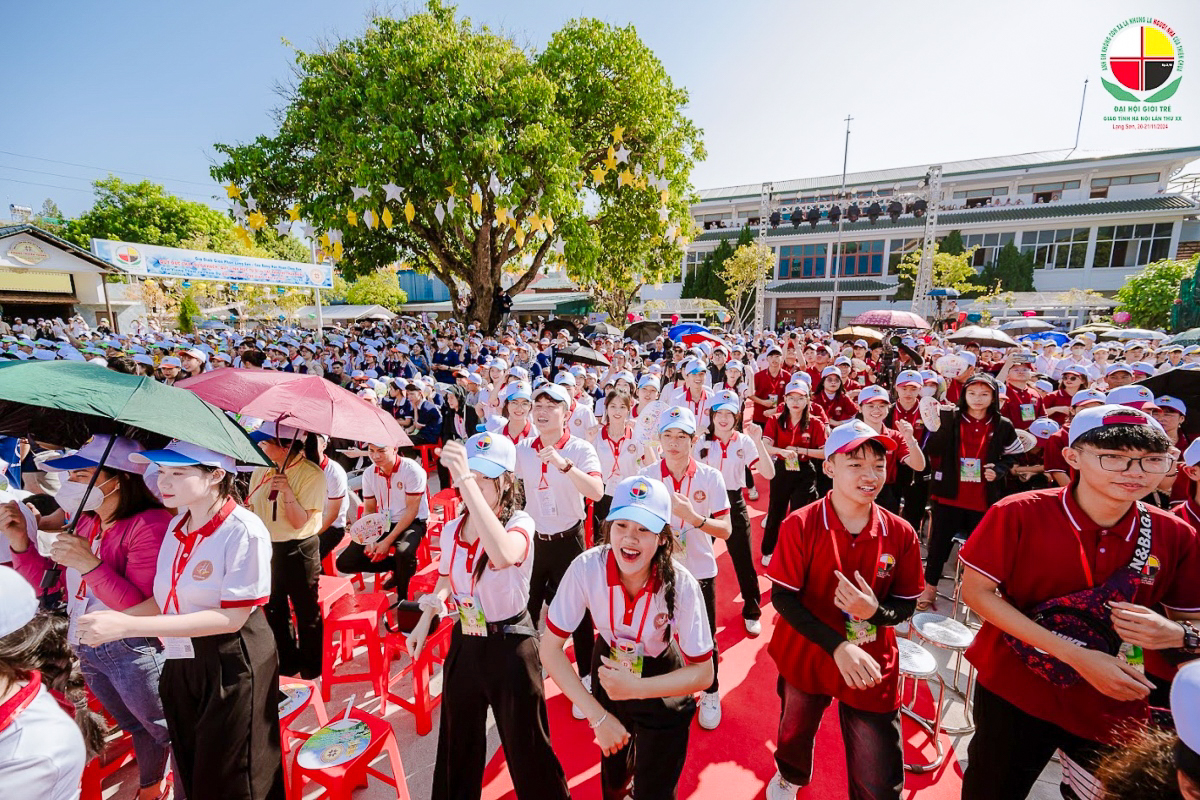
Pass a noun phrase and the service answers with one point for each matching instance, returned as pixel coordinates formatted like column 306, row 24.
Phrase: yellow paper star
column 352, row 218
column 409, row 211
column 618, row 134
column 548, row 225
column 520, row 237
column 640, row 183
column 535, row 222
column 598, row 175
column 232, row 190
column 386, row 218
column 337, row 251
column 610, row 160
column 244, row 237
column 294, row 212
column 323, row 240
column 477, row 202
column 256, row 220
column 624, row 178
column 664, row 196
column 579, row 184
column 501, row 214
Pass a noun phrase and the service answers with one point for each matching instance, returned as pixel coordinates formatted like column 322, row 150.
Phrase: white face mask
column 928, row 391
column 70, row 493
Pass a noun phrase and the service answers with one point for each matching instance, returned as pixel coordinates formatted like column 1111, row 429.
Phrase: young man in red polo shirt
column 1065, row 580
column 768, row 386
column 845, row 572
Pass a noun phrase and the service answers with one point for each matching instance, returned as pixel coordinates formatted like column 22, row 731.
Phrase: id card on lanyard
column 179, row 646
column 629, row 654
column 470, row 615
column 859, row 631
column 971, row 469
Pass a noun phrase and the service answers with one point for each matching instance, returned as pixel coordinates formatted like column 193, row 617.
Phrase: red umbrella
column 308, row 402
column 701, row 336
column 890, row 318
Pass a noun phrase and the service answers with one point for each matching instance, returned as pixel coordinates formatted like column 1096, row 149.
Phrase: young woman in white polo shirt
column 620, row 452
column 700, row 511
column 220, row 684
column 733, row 453
column 486, row 563
column 653, row 649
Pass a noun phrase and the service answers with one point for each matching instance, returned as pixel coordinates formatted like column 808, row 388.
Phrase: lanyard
column 837, row 555
column 95, row 547
column 537, row 446
column 183, row 554
column 1083, row 559
column 615, row 447
column 612, row 617
column 962, row 443
column 469, row 562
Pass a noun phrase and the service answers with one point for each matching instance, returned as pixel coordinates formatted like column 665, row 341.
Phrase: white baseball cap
column 1134, row 396
column 491, row 455
column 1109, row 414
column 852, row 434
column 20, row 601
column 1173, row 403
column 517, row 390
column 554, row 391
column 274, row 430
column 873, row 392
column 184, row 454
column 909, row 376
column 643, row 500
column 1087, row 396
column 93, row 451
column 1044, row 427
column 725, row 400
column 1191, row 456
column 677, row 418
column 171, row 361
column 798, row 385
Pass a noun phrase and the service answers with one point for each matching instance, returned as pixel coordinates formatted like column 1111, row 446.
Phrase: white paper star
column 392, row 192
column 308, row 230
column 672, row 230
column 637, row 169
column 622, row 154
column 335, row 236
column 663, row 214
column 439, row 211
column 359, row 192
column 283, row 227
column 557, row 247
column 251, row 203
column 239, row 212
column 450, row 204
column 662, row 184
column 494, row 185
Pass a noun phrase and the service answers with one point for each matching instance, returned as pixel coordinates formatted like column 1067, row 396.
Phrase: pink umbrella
column 308, row 402
column 890, row 318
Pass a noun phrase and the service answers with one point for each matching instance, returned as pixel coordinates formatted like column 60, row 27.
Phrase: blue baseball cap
column 491, row 455
column 643, row 500
column 677, row 418
column 184, row 454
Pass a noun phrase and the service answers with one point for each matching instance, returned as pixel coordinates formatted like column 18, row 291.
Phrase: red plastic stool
column 300, row 694
column 352, row 616
column 428, row 460
column 446, row 502
column 422, row 703
column 117, row 753
column 339, row 756
column 330, row 589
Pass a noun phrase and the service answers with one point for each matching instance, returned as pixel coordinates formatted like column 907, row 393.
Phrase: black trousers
column 504, row 672
column 551, row 557
column 789, row 491
column 658, row 735
column 599, row 514
column 222, row 711
column 708, row 590
column 330, row 538
column 946, row 523
column 749, row 478
column 1010, row 749
column 295, row 567
column 742, row 556
column 402, row 564
column 913, row 490
column 874, row 752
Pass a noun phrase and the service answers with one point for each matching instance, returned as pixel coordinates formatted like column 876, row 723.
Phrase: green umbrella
column 1190, row 336
column 63, row 403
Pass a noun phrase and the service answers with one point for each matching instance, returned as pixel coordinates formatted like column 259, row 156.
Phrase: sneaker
column 752, row 494
column 576, row 711
column 710, row 710
column 753, row 627
column 766, row 559
column 779, row 789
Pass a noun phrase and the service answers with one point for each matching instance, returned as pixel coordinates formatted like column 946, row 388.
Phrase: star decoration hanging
column 232, row 190
column 662, row 163
column 251, row 203
column 323, row 241
column 239, row 212
column 477, row 202
column 598, row 175
column 450, row 204
column 256, row 220
column 370, row 219
column 244, row 237
column 294, row 212
column 452, row 189
column 359, row 192
column 548, row 225
column 664, row 196
column 639, row 182
column 624, row 178
column 391, row 192
column 663, row 214
column 494, row 185
column 519, row 236
column 439, row 211
column 335, row 236
column 535, row 222
column 501, row 214
column 622, row 154
column 386, row 218
column 308, row 230
column 637, row 170
column 283, row 226
column 409, row 211
column 610, row 161
column 618, row 134
column 337, row 251
column 351, row 218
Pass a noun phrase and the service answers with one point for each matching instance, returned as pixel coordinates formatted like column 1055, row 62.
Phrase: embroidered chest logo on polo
column 660, row 620
column 699, row 495
column 887, row 563
column 740, row 453
column 202, row 571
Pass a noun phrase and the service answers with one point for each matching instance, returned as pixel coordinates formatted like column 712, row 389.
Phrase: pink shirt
column 129, row 556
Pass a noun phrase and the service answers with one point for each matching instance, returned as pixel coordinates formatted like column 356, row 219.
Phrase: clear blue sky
column 147, row 87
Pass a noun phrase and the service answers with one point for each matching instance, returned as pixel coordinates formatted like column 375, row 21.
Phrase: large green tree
column 380, row 287
column 1012, row 271
column 949, row 271
column 487, row 141
column 1150, row 295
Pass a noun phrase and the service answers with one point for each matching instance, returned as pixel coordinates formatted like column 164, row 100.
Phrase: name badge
column 1132, row 655
column 860, row 632
column 681, row 544
column 178, row 647
column 791, row 462
column 971, row 470
column 474, row 623
column 628, row 656
column 1027, row 414
column 546, row 503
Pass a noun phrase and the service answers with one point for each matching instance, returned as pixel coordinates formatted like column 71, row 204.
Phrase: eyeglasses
column 1151, row 465
column 1072, row 377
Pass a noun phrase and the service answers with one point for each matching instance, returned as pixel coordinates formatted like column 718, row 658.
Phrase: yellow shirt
column 308, row 484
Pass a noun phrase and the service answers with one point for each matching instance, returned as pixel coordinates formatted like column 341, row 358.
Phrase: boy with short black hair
column 846, row 571
column 1065, row 580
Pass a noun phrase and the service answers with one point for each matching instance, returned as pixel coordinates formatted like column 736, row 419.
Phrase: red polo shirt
column 1055, row 400
column 839, row 408
column 973, row 437
column 810, row 436
column 1052, row 458
column 1032, row 544
column 764, row 386
column 812, row 543
column 913, row 417
column 896, row 456
column 1021, row 407
column 1183, row 488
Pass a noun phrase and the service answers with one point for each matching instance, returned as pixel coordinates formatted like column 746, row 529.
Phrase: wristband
column 599, row 722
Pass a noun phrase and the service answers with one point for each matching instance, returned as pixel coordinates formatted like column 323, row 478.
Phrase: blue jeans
column 124, row 677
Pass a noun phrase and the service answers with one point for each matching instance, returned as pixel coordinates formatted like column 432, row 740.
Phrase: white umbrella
column 984, row 337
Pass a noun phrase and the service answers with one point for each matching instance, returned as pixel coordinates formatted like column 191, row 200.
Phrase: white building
column 1091, row 220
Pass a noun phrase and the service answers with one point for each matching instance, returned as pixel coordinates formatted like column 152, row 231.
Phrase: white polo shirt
column 593, row 583
column 501, row 593
column 224, row 564
column 731, row 460
column 581, row 420
column 391, row 492
column 619, row 458
column 705, row 488
column 550, row 496
column 41, row 749
column 337, row 486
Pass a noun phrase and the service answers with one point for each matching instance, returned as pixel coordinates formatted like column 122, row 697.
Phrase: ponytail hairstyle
column 660, row 566
column 512, row 497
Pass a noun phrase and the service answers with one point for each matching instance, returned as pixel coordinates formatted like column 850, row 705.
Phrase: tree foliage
column 380, row 287
column 741, row 273
column 952, row 243
column 1012, row 270
column 434, row 105
column 949, row 271
column 1150, row 295
column 706, row 280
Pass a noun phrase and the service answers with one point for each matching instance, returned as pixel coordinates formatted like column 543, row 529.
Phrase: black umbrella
column 644, row 332
column 578, row 353
column 600, row 329
column 1182, row 383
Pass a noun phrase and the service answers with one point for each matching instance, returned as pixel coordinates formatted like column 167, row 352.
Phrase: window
column 989, row 245
column 1036, row 188
column 802, row 261
column 862, row 258
column 999, row 191
column 1100, row 185
column 1058, row 249
column 1132, row 245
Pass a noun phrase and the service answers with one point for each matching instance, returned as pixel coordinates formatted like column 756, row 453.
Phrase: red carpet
column 735, row 761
